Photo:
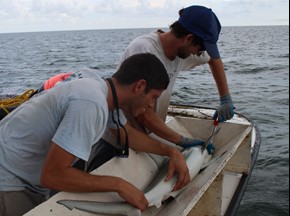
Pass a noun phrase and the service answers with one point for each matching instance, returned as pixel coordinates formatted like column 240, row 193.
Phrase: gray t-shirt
column 74, row 115
column 151, row 44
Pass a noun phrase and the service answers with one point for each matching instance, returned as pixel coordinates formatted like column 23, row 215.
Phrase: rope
column 15, row 101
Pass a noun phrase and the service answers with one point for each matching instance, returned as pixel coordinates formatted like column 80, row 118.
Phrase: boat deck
column 209, row 193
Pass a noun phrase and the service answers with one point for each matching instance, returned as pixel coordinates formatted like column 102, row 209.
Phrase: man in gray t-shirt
column 40, row 140
column 190, row 42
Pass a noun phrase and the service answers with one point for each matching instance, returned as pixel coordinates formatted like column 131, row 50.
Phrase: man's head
column 203, row 26
column 148, row 78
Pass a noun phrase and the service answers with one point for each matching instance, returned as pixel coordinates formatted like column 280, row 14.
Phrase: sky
column 62, row 15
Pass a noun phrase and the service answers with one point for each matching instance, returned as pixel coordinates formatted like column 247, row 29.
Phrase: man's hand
column 189, row 143
column 132, row 195
column 225, row 110
column 178, row 165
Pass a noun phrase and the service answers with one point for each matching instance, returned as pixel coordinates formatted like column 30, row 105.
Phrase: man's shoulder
column 89, row 79
column 149, row 38
column 146, row 43
column 90, row 89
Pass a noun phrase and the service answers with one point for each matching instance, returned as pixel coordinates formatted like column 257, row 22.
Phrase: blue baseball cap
column 202, row 22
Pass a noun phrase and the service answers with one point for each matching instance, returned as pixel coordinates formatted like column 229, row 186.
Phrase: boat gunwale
column 255, row 147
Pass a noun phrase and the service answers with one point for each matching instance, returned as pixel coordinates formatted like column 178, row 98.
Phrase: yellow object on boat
column 5, row 104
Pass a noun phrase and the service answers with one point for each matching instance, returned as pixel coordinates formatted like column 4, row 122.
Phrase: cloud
column 249, row 12
column 42, row 15
column 43, row 8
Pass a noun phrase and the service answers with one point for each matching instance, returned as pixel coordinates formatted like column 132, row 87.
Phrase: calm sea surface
column 257, row 65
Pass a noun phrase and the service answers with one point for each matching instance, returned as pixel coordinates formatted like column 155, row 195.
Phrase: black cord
column 124, row 151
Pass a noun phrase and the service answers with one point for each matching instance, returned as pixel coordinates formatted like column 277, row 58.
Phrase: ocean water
column 256, row 61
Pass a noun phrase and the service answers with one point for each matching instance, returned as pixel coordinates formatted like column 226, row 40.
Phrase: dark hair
column 143, row 66
column 179, row 31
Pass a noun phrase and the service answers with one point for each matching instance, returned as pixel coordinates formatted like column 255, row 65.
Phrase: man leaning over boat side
column 191, row 41
column 40, row 140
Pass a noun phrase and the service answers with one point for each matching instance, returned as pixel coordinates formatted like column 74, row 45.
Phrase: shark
column 158, row 191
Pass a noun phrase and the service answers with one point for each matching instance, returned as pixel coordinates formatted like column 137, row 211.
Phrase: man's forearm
column 219, row 75
column 144, row 143
column 155, row 124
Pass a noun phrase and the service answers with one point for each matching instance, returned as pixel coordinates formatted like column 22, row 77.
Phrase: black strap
column 124, row 151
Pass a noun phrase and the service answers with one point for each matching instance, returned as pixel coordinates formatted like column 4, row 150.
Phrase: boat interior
column 209, row 193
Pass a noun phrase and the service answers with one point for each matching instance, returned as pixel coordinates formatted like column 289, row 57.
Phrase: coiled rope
column 15, row 101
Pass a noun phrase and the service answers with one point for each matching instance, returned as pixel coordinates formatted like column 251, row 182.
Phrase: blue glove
column 189, row 143
column 225, row 110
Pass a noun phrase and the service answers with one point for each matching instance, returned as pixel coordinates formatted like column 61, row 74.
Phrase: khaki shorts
column 17, row 203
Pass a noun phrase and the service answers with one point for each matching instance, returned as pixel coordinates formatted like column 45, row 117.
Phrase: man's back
column 62, row 115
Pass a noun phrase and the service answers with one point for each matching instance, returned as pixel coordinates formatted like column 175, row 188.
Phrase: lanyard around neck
column 124, row 151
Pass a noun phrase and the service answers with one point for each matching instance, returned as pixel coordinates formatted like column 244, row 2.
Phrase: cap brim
column 212, row 50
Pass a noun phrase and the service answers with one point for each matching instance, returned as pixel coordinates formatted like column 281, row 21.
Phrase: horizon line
column 128, row 28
